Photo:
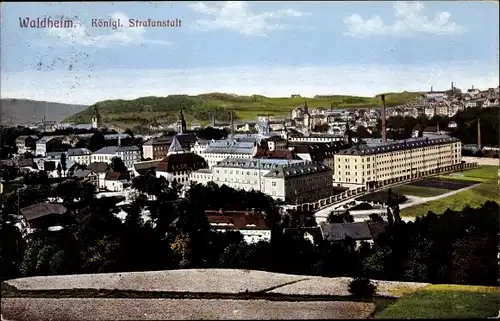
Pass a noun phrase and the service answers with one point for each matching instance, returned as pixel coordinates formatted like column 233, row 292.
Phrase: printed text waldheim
column 45, row 23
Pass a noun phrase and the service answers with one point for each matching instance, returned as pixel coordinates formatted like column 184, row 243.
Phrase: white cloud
column 409, row 19
column 280, row 81
column 236, row 16
column 81, row 34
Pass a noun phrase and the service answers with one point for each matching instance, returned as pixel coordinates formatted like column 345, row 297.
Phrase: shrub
column 362, row 287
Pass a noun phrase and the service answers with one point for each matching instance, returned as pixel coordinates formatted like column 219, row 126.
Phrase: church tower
column 95, row 118
column 347, row 133
column 181, row 123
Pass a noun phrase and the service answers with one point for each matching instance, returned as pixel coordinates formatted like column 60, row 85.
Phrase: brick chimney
column 478, row 134
column 383, row 130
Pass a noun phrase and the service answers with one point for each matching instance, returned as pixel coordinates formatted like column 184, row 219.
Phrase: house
column 218, row 150
column 26, row 143
column 142, row 168
column 195, row 126
column 128, row 154
column 48, row 144
column 87, row 175
column 41, row 215
column 80, row 155
column 156, row 148
column 358, row 231
column 473, row 92
column 492, row 102
column 116, row 182
column 276, row 143
column 251, row 225
column 179, row 166
column 101, row 169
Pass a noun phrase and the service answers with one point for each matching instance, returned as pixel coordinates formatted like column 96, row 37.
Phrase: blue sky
column 270, row 48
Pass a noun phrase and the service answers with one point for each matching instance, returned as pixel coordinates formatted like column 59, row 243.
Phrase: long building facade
column 291, row 181
column 385, row 163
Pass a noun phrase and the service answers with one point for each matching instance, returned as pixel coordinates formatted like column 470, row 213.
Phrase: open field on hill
column 445, row 301
column 487, row 190
column 199, row 108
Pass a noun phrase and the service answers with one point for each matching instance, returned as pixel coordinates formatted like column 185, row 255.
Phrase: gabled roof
column 82, row 173
column 175, row 147
column 183, row 161
column 357, row 230
column 42, row 209
column 98, row 167
column 116, row 176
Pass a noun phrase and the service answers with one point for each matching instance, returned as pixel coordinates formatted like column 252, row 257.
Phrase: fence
column 380, row 185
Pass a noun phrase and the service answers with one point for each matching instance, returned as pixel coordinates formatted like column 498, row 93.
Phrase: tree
column 97, row 141
column 63, row 162
column 117, row 165
column 59, row 169
column 362, row 287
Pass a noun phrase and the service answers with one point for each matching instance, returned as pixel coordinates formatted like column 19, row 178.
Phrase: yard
column 481, row 174
column 419, row 191
column 446, row 301
column 487, row 190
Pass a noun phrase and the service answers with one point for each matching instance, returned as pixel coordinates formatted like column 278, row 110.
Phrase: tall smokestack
column 478, row 134
column 232, row 124
column 382, row 117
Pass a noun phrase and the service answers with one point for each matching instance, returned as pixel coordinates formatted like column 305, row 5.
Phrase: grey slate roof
column 357, row 231
column 298, row 169
column 78, row 151
column 399, row 145
column 81, row 173
column 268, row 163
column 42, row 209
column 98, row 167
column 227, row 146
column 175, row 147
column 159, row 141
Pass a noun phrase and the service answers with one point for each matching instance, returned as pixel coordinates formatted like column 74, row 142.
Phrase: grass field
column 474, row 197
column 127, row 113
column 445, row 301
column 482, row 174
column 419, row 191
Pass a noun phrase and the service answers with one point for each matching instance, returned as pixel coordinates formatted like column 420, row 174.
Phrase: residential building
column 369, row 164
column 219, row 150
column 251, row 225
column 116, row 182
column 491, row 102
column 156, row 147
column 291, row 181
column 276, row 143
column 358, row 231
column 317, row 152
column 87, row 175
column 26, row 143
column 128, row 154
column 101, row 169
column 80, row 155
column 48, row 144
column 178, row 166
column 41, row 215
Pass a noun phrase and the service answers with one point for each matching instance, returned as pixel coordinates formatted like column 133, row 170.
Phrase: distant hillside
column 142, row 111
column 21, row 111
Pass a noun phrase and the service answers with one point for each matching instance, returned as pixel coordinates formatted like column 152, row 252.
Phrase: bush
column 362, row 287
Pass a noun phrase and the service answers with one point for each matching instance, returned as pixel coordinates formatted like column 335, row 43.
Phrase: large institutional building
column 291, row 181
column 387, row 162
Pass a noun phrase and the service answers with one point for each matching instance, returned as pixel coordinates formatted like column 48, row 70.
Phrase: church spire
column 306, row 109
column 181, row 123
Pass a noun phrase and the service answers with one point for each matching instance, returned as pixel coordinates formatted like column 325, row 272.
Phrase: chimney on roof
column 478, row 134
column 232, row 124
column 382, row 117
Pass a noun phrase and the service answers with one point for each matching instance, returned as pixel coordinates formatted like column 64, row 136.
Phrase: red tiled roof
column 183, row 161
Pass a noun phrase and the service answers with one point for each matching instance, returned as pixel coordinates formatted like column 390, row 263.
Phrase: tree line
column 454, row 247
